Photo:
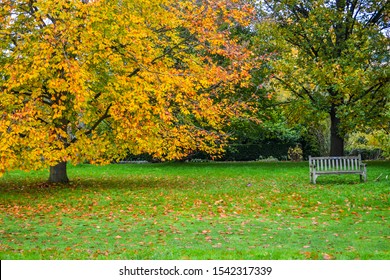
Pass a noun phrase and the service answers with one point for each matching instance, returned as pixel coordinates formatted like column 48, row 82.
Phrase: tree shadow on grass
column 128, row 184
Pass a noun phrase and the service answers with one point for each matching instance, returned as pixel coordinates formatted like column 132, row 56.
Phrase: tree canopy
column 331, row 57
column 94, row 80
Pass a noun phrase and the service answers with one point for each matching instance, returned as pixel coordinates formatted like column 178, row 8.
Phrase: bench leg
column 365, row 174
column 313, row 178
column 363, row 177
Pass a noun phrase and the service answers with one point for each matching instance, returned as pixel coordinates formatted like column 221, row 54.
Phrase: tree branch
column 42, row 120
column 296, row 92
column 136, row 70
column 102, row 118
column 376, row 17
column 373, row 89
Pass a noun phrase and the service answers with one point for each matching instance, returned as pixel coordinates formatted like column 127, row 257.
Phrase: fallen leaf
column 327, row 256
column 218, row 202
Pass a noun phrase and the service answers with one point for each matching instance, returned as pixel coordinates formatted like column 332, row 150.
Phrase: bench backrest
column 336, row 163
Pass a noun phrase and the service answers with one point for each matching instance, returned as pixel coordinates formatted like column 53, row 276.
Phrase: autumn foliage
column 94, row 80
column 333, row 62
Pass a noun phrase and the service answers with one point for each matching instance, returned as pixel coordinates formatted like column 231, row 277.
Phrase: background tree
column 94, row 80
column 332, row 58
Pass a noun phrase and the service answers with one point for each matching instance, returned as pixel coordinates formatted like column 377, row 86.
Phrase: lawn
column 258, row 210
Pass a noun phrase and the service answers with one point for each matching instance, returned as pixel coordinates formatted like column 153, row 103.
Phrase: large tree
column 94, row 80
column 332, row 56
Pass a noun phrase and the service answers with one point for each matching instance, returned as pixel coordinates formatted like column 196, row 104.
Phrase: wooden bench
column 336, row 165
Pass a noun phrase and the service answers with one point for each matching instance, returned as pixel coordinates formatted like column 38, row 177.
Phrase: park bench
column 336, row 165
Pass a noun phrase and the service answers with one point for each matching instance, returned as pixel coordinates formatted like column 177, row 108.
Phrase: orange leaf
column 327, row 256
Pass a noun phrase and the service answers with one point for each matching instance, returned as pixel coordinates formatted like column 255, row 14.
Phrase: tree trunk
column 336, row 141
column 58, row 173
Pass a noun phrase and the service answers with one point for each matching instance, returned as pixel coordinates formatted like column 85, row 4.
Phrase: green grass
column 195, row 211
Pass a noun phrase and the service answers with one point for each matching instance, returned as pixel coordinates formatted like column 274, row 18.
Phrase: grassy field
column 196, row 211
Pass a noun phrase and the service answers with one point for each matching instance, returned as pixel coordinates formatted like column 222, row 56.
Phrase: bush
column 295, row 154
column 367, row 154
column 371, row 145
column 262, row 150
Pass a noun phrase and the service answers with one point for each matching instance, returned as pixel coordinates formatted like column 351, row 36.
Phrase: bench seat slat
column 339, row 172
